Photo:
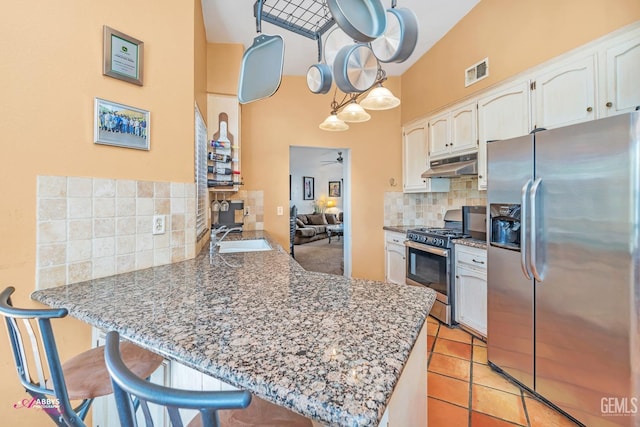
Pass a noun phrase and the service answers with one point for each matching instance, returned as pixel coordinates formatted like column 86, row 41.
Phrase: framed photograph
column 307, row 188
column 120, row 125
column 334, row 188
column 123, row 56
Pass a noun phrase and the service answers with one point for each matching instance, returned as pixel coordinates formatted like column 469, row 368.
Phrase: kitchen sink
column 254, row 245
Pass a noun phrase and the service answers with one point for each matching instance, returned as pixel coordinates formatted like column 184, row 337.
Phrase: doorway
column 320, row 188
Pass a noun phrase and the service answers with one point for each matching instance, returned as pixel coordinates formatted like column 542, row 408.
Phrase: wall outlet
column 158, row 224
column 443, row 210
column 280, row 210
column 247, row 210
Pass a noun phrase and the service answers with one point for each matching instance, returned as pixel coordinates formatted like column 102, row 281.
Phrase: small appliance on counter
column 474, row 222
column 231, row 216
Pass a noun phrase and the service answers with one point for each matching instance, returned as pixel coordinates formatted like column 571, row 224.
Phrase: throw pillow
column 317, row 219
column 299, row 223
column 331, row 218
column 303, row 218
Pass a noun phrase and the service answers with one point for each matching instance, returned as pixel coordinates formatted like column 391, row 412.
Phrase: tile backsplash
column 415, row 209
column 93, row 227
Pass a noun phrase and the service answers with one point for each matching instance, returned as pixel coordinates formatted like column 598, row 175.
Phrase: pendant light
column 353, row 113
column 380, row 98
column 333, row 123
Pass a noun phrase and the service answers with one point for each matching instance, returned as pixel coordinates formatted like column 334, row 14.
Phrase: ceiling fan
column 339, row 159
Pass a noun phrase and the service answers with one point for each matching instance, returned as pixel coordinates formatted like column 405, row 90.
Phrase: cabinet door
column 395, row 262
column 439, row 136
column 471, row 298
column 565, row 94
column 623, row 81
column 463, row 129
column 502, row 114
column 414, row 157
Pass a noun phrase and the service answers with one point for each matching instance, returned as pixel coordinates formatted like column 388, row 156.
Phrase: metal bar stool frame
column 62, row 413
column 127, row 387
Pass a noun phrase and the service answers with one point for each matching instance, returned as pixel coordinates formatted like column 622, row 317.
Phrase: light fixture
column 380, row 98
column 333, row 123
column 354, row 113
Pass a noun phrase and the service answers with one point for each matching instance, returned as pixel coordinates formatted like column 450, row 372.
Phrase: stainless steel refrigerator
column 563, row 266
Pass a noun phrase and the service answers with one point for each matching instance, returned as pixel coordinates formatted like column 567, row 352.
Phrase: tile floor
column 465, row 392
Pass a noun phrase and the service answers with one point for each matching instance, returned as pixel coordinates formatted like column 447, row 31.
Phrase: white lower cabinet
column 471, row 288
column 395, row 257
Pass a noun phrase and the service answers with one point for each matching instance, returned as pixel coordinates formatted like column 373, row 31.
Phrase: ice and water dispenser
column 505, row 226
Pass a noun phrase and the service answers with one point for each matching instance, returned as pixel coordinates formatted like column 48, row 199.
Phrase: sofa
column 311, row 227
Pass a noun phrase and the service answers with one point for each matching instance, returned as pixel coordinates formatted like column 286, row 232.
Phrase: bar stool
column 84, row 377
column 217, row 408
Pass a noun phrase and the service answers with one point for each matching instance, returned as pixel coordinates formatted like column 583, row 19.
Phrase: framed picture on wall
column 122, row 57
column 334, row 189
column 307, row 188
column 120, row 125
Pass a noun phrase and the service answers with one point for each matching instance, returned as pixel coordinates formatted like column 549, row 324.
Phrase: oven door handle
column 426, row 248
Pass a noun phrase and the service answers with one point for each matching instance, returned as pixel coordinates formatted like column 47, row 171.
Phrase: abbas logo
column 37, row 404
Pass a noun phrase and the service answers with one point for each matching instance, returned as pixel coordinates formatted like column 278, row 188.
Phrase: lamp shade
column 380, row 98
column 333, row 123
column 353, row 113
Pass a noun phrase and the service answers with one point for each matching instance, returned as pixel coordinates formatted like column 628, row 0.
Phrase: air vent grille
column 476, row 72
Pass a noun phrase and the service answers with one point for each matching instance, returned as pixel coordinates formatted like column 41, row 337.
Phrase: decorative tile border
column 89, row 228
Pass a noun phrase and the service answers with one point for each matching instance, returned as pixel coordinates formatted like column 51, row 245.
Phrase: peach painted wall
column 223, row 67
column 515, row 35
column 200, row 76
column 50, row 72
column 291, row 117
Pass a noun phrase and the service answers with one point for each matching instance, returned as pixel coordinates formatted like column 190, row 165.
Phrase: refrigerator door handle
column 533, row 193
column 524, row 241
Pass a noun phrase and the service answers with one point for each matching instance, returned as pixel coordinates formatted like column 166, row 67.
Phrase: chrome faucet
column 214, row 235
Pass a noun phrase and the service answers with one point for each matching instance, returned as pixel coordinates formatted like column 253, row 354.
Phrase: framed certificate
column 123, row 56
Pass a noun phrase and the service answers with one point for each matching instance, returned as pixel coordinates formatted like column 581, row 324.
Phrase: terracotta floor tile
column 432, row 329
column 497, row 403
column 432, row 320
column 478, row 419
column 453, row 348
column 477, row 341
column 484, row 375
column 541, row 415
column 454, row 334
column 480, row 354
column 448, row 389
column 450, row 366
column 443, row 414
column 430, row 341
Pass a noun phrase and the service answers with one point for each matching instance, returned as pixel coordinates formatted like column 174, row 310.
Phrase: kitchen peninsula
column 337, row 350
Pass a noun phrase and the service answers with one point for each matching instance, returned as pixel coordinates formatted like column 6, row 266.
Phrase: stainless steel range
column 430, row 262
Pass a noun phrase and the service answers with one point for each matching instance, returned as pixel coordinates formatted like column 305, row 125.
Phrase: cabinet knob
column 457, row 277
column 589, row 109
column 609, row 104
column 446, row 145
column 480, row 176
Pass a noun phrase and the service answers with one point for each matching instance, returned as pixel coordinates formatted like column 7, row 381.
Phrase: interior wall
column 515, row 36
column 223, row 67
column 51, row 71
column 200, row 48
column 291, row 118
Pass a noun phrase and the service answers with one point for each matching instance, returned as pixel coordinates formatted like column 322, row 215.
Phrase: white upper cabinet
column 415, row 160
column 453, row 132
column 622, row 87
column 502, row 114
column 564, row 93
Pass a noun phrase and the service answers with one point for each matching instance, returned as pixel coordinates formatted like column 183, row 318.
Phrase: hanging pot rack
column 308, row 18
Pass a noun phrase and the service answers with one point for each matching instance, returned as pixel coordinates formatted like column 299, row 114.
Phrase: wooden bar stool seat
column 87, row 377
column 83, row 377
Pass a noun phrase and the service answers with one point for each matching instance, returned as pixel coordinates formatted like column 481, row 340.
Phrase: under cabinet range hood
column 452, row 167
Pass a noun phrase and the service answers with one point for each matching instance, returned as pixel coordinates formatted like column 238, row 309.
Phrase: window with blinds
column 201, row 173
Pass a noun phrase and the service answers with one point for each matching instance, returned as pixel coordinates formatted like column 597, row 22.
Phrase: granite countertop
column 399, row 228
column 474, row 243
column 329, row 347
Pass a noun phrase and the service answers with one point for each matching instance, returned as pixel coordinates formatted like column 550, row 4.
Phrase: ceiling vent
column 476, row 72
